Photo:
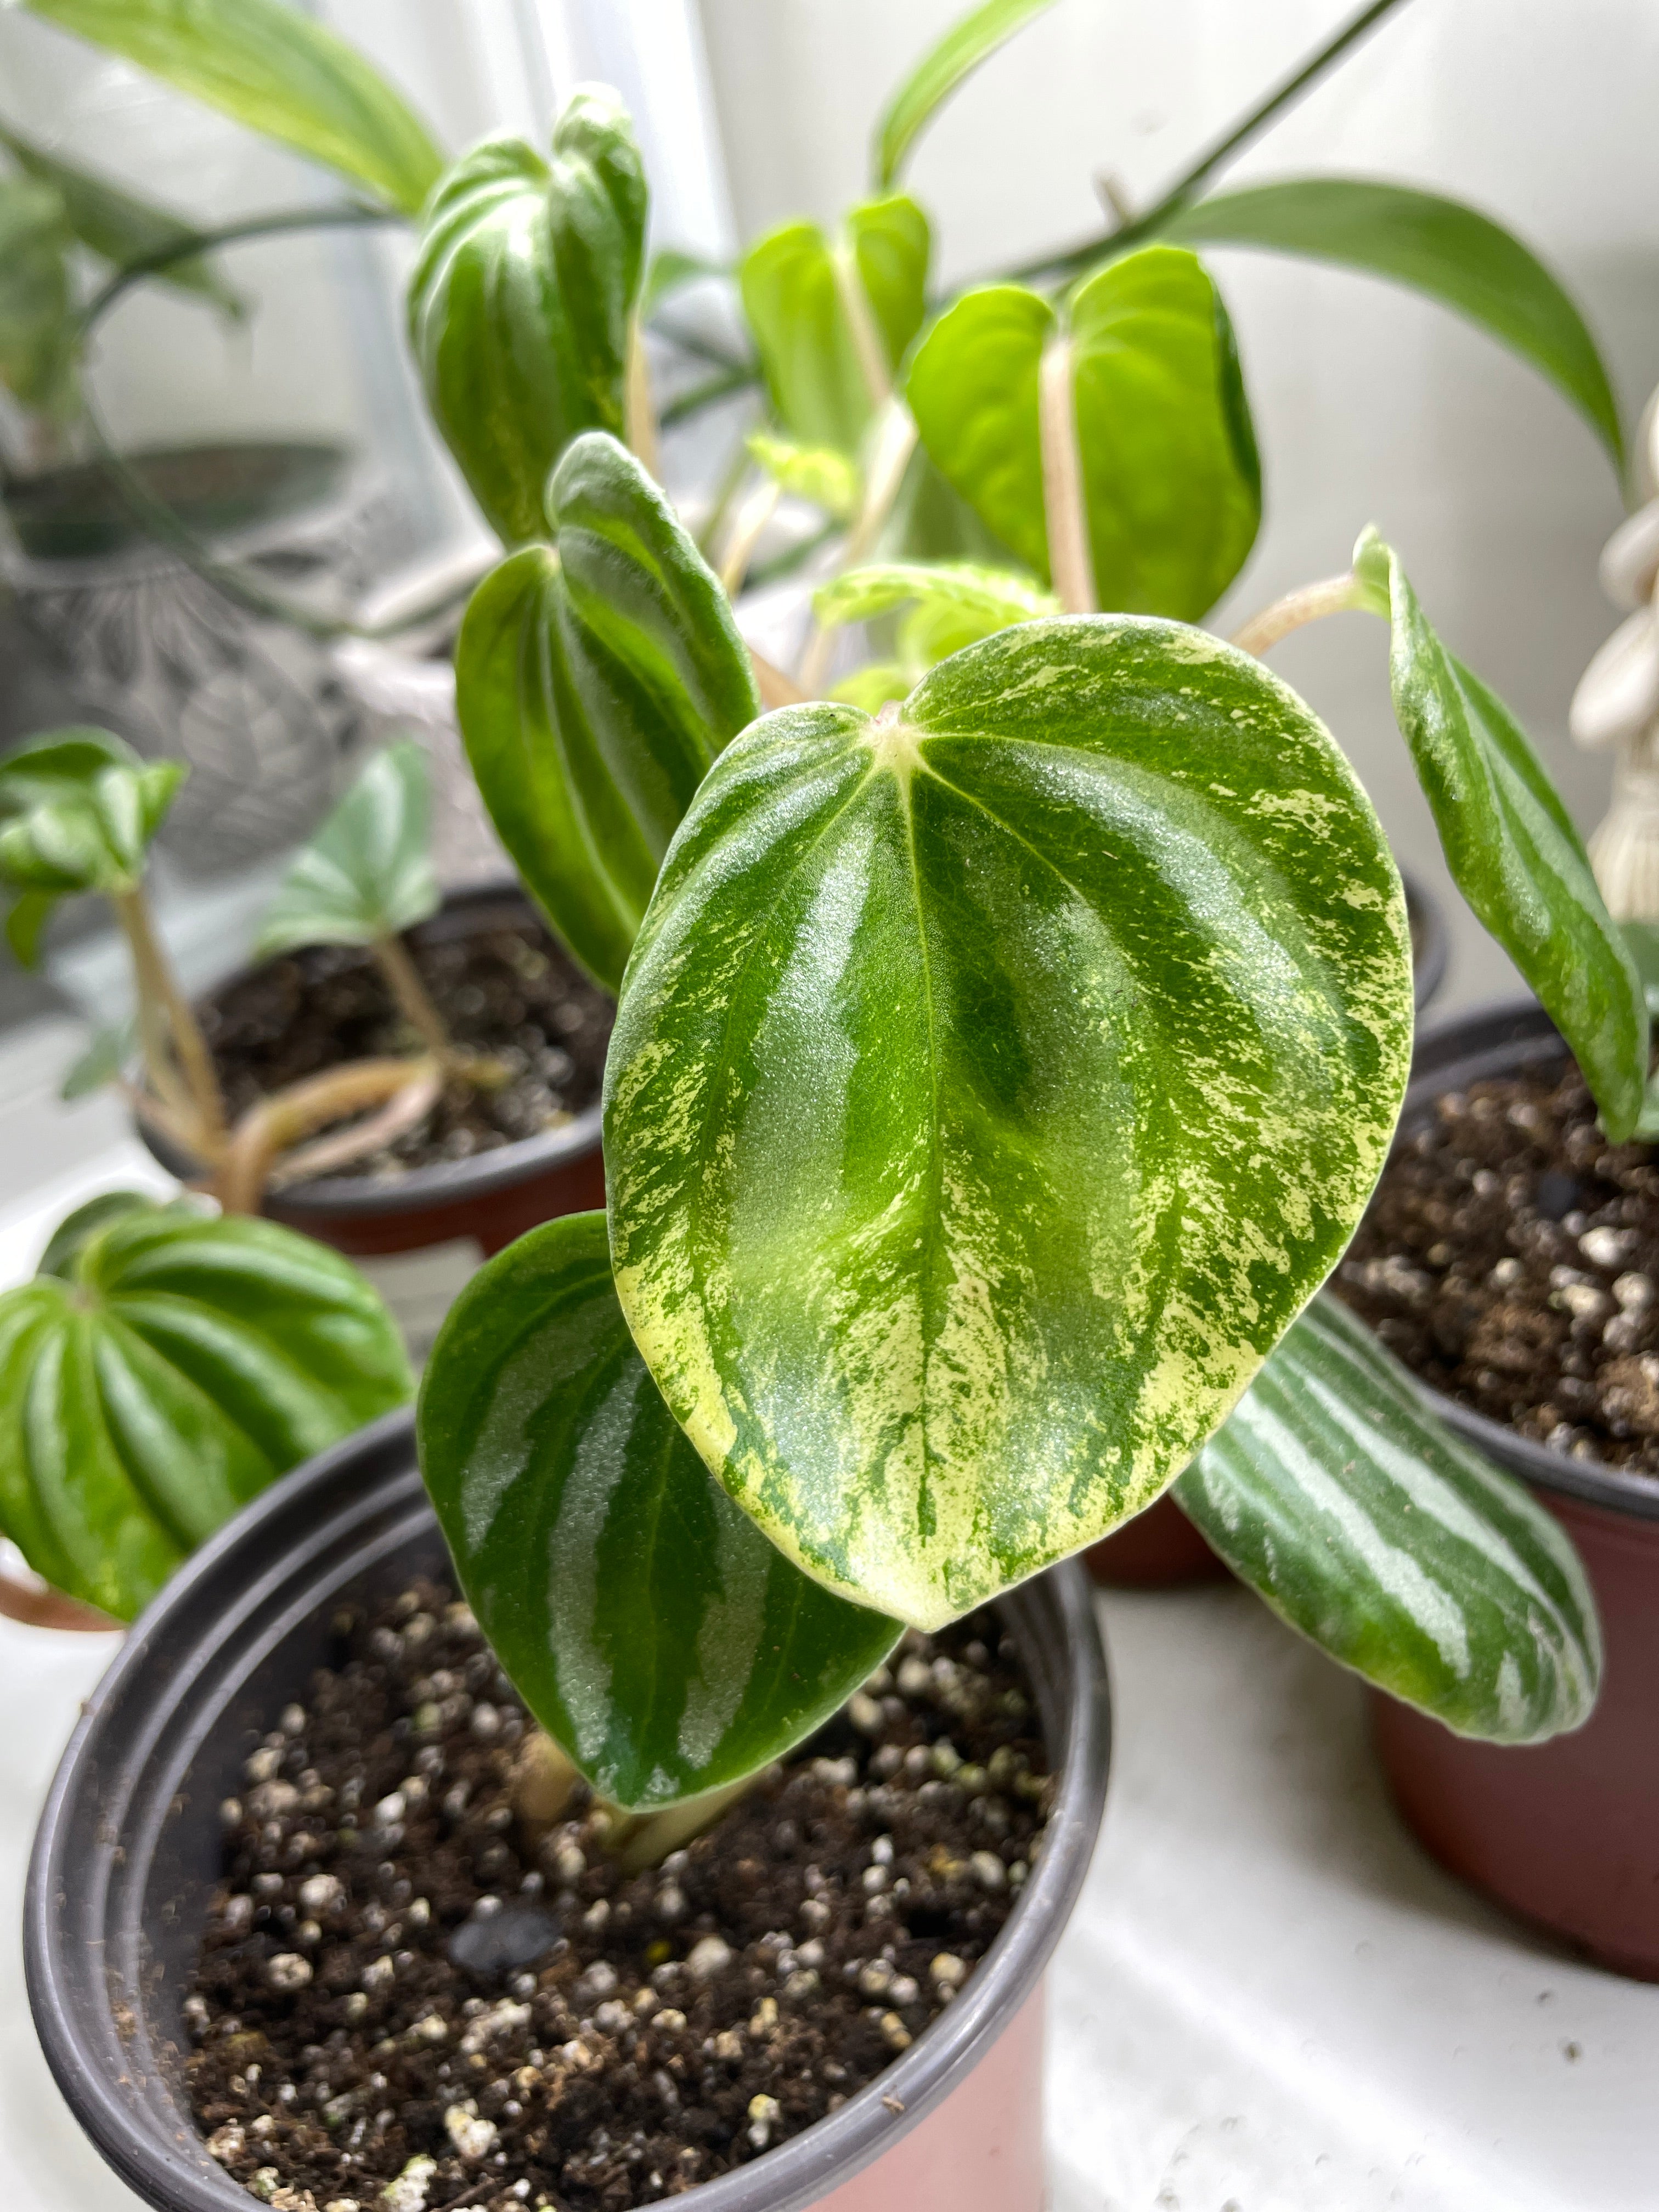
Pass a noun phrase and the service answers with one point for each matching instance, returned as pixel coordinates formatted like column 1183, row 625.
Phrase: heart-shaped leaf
column 1337, row 1494
column 651, row 1628
column 967, row 43
column 78, row 809
column 596, row 681
column 991, row 1085
column 160, row 1371
column 1511, row 847
column 519, row 303
column 36, row 349
column 1437, row 246
column 1171, row 482
column 367, row 873
column 272, row 67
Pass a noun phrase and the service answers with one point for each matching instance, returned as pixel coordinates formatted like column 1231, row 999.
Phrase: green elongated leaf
column 817, row 473
column 967, row 43
column 596, row 681
column 1435, row 245
column 272, row 67
column 1171, row 483
column 78, row 809
column 104, row 1059
column 649, row 1625
column 833, row 320
column 36, row 349
column 119, row 227
column 367, row 873
column 164, row 1368
column 520, row 301
column 1511, row 847
column 26, row 924
column 992, row 1084
column 1339, row 1495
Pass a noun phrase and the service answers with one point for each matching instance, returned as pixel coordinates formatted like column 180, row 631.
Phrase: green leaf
column 119, row 227
column 77, row 1228
column 596, row 681
column 367, row 873
column 991, row 1085
column 954, row 604
column 1437, row 246
column 668, row 270
column 817, row 473
column 1339, row 1495
column 37, row 355
column 1171, row 483
column 967, row 43
column 169, row 1367
column 520, row 300
column 871, row 686
column 832, row 320
column 1511, row 847
column 26, row 923
column 268, row 64
column 79, row 808
column 102, row 1062
column 648, row 1625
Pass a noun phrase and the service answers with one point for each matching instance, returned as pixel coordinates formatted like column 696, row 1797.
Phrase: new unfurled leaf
column 367, row 873
column 648, row 1625
column 1438, row 246
column 993, row 1084
column 519, row 303
column 164, row 1368
column 36, row 350
column 953, row 603
column 271, row 66
column 967, row 43
column 833, row 320
column 1338, row 1495
column 78, row 809
column 1171, row 482
column 1511, row 846
column 817, row 473
column 596, row 680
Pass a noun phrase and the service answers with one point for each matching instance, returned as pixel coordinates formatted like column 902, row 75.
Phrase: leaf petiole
column 1333, row 595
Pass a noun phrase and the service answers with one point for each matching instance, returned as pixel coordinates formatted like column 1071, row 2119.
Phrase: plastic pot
column 1160, row 1549
column 128, row 1857
column 1565, row 1833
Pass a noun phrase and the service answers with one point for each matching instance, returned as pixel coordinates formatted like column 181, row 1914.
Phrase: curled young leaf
column 78, row 809
column 647, row 1624
column 993, row 1084
column 969, row 41
column 160, row 1371
column 1337, row 1494
column 367, row 874
column 519, row 302
column 960, row 603
column 596, row 680
column 817, row 473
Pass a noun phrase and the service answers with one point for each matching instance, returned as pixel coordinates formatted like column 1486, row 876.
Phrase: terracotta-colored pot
column 128, row 1854
column 1565, row 1833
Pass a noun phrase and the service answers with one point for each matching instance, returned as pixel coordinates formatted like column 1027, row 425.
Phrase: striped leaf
column 1171, row 484
column 1338, row 1495
column 967, row 43
column 162, row 1368
column 649, row 1625
column 367, row 873
column 993, row 1084
column 1511, row 847
column 519, row 302
column 596, row 680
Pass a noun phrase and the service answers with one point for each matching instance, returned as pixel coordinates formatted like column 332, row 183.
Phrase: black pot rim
column 130, row 1751
column 1432, row 948
column 1490, row 1040
column 446, row 1182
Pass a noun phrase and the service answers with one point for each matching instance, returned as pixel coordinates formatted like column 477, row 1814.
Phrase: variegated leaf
column 596, row 680
column 993, row 1084
column 650, row 1626
column 1338, row 1495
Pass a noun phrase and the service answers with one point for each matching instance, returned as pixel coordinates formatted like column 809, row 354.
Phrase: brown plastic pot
column 491, row 1198
column 129, row 1849
column 1160, row 1549
column 1565, row 1833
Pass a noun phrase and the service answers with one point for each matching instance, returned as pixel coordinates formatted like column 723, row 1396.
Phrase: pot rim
column 1434, row 938
column 1498, row 1038
column 334, row 1516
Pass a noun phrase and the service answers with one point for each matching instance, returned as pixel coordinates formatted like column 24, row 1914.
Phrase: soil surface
column 1511, row 1257
column 509, row 990
column 405, row 2005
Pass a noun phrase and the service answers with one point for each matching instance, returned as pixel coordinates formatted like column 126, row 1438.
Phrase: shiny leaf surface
column 967, row 43
column 596, row 681
column 651, row 1628
column 1364, row 1522
column 367, row 873
column 991, row 1085
column 519, row 302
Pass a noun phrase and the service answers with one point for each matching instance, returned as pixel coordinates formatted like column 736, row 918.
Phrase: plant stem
column 1334, row 595
column 164, row 1015
column 692, row 402
column 747, row 524
column 639, row 415
column 1066, row 519
column 867, row 340
column 776, row 689
column 892, row 442
column 650, row 1837
column 414, row 1001
column 279, row 1122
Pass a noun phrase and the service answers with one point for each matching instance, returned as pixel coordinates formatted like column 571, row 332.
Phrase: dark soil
column 399, row 1988
column 507, row 989
column 1510, row 1256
